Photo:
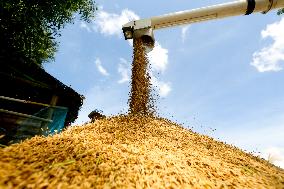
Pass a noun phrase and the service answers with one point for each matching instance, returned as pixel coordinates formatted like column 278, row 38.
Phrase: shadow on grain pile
column 132, row 152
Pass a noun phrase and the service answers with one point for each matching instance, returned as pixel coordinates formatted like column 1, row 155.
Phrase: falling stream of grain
column 140, row 99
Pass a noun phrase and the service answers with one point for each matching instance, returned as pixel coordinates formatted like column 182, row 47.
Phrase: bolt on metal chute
column 144, row 28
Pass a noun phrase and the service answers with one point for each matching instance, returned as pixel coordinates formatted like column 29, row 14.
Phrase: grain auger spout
column 144, row 28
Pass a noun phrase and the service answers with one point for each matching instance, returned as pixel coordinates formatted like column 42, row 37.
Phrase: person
column 96, row 115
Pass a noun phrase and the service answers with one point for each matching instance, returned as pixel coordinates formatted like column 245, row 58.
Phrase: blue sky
column 223, row 78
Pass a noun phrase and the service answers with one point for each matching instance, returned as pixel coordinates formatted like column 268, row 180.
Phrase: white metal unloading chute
column 144, row 27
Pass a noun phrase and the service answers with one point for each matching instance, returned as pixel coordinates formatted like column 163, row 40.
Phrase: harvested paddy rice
column 140, row 101
column 132, row 152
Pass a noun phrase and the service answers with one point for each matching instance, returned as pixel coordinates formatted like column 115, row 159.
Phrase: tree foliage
column 281, row 11
column 29, row 27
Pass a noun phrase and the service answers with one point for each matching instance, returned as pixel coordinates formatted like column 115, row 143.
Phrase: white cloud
column 274, row 155
column 124, row 71
column 163, row 88
column 184, row 31
column 83, row 25
column 270, row 57
column 130, row 42
column 100, row 68
column 158, row 58
column 111, row 23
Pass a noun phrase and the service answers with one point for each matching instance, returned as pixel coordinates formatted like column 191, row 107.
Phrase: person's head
column 96, row 115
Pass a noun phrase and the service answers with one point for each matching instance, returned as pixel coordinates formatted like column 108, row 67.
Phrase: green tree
column 28, row 28
column 281, row 11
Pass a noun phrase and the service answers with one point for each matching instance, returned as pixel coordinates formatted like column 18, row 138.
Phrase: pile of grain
column 132, row 152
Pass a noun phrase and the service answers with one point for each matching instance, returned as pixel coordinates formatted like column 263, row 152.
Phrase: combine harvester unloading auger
column 141, row 31
column 144, row 28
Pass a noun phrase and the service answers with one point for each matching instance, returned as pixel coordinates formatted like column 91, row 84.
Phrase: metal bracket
column 269, row 7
